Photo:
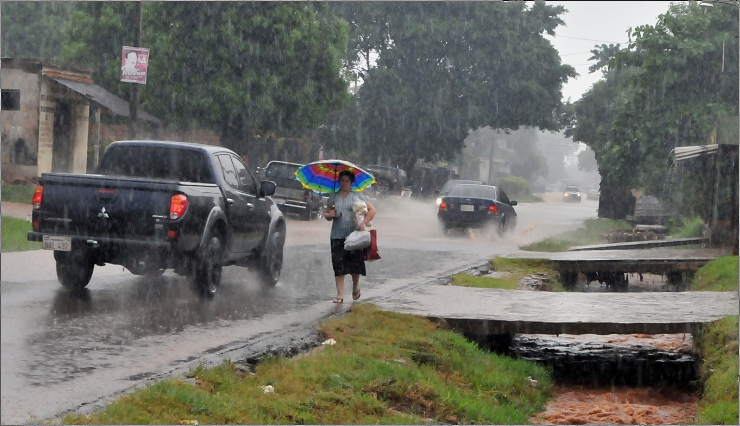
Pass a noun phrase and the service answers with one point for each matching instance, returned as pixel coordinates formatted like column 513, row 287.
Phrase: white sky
column 590, row 23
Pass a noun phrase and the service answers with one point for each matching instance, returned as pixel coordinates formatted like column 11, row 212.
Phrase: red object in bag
column 372, row 251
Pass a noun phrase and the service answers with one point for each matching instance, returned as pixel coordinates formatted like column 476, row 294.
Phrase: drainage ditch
column 610, row 379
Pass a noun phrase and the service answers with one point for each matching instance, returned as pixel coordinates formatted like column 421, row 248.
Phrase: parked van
column 290, row 196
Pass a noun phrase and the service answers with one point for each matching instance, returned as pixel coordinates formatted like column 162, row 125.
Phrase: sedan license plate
column 52, row 242
column 466, row 208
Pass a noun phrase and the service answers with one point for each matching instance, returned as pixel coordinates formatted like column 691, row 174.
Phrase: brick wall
column 117, row 132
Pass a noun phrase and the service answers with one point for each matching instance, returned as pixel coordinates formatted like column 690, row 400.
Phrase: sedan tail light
column 492, row 209
column 442, row 206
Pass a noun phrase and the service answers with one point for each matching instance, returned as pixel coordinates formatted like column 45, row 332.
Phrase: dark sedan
column 477, row 206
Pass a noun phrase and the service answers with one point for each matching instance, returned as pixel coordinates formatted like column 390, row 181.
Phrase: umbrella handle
column 333, row 207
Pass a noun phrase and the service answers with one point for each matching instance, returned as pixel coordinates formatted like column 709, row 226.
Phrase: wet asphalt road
column 65, row 352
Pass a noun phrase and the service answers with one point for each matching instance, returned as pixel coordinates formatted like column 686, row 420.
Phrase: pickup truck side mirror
column 267, row 187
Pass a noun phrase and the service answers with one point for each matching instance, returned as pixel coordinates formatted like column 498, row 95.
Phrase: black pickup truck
column 155, row 205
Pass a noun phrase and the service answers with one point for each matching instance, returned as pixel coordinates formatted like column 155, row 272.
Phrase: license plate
column 466, row 208
column 57, row 243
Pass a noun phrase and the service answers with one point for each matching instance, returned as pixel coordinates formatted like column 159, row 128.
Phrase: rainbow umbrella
column 323, row 176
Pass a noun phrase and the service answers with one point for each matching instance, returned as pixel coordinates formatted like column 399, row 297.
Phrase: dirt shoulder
column 17, row 210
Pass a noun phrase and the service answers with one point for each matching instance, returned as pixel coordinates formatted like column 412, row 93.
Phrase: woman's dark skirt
column 346, row 262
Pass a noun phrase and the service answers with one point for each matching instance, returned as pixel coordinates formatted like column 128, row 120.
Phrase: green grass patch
column 686, row 227
column 718, row 347
column 718, row 275
column 592, row 233
column 385, row 368
column 15, row 235
column 529, row 198
column 18, row 193
column 516, row 269
column 466, row 280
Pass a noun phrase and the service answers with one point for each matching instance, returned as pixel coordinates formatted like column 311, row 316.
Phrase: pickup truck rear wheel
column 273, row 261
column 208, row 269
column 383, row 186
column 74, row 269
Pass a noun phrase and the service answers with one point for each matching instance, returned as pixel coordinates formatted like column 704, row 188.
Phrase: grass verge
column 515, row 270
column 529, row 198
column 15, row 234
column 18, row 193
column 385, row 368
column 718, row 347
column 718, row 275
column 592, row 233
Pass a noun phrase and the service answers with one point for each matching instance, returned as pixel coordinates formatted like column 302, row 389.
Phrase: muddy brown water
column 594, row 391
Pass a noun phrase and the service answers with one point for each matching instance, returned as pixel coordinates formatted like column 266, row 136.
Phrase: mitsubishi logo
column 103, row 214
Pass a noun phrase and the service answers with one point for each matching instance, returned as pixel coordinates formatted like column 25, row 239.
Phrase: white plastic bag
column 357, row 240
column 359, row 208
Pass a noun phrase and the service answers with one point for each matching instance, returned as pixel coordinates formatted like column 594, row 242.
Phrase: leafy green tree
column 594, row 115
column 33, row 29
column 454, row 66
column 688, row 65
column 668, row 88
column 244, row 69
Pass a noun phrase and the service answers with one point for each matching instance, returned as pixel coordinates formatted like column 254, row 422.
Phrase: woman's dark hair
column 349, row 174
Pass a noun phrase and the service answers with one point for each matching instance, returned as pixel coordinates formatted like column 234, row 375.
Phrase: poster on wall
column 135, row 61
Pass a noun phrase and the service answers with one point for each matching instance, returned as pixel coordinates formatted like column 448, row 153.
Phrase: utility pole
column 133, row 107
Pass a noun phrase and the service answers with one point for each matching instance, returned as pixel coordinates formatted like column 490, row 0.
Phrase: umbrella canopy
column 323, row 176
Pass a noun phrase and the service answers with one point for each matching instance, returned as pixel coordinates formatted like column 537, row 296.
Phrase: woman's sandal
column 338, row 300
column 356, row 295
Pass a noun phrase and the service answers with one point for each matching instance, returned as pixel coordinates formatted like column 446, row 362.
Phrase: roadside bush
column 686, row 227
column 514, row 186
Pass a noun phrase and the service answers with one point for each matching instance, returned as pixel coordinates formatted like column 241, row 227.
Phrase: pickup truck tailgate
column 102, row 206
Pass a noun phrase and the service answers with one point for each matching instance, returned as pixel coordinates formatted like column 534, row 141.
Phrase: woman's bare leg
column 355, row 283
column 339, row 280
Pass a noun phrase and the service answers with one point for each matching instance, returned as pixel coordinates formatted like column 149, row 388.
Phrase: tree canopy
column 444, row 68
column 667, row 88
column 240, row 68
column 33, row 29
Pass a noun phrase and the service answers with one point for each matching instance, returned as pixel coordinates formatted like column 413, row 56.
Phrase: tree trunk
column 616, row 202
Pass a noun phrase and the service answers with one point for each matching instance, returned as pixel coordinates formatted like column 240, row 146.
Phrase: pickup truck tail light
column 178, row 206
column 492, row 210
column 38, row 195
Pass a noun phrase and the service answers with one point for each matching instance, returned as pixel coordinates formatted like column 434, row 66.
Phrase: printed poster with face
column 135, row 61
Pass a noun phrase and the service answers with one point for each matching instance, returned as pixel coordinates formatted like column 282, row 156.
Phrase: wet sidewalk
column 492, row 311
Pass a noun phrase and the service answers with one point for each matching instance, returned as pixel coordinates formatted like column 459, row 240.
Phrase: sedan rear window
column 474, row 191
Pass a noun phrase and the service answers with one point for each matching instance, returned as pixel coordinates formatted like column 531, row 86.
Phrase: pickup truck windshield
column 155, row 163
column 282, row 171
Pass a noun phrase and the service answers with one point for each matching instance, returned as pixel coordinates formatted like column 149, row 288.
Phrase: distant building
column 46, row 117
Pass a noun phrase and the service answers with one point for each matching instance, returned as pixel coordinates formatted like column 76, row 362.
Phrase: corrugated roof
column 686, row 152
column 103, row 97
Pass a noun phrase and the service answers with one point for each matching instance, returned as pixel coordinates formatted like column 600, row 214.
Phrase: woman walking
column 339, row 211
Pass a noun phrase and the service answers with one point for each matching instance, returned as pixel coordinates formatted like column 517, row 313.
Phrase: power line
column 589, row 39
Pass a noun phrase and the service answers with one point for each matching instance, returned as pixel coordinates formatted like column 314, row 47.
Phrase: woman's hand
column 329, row 213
